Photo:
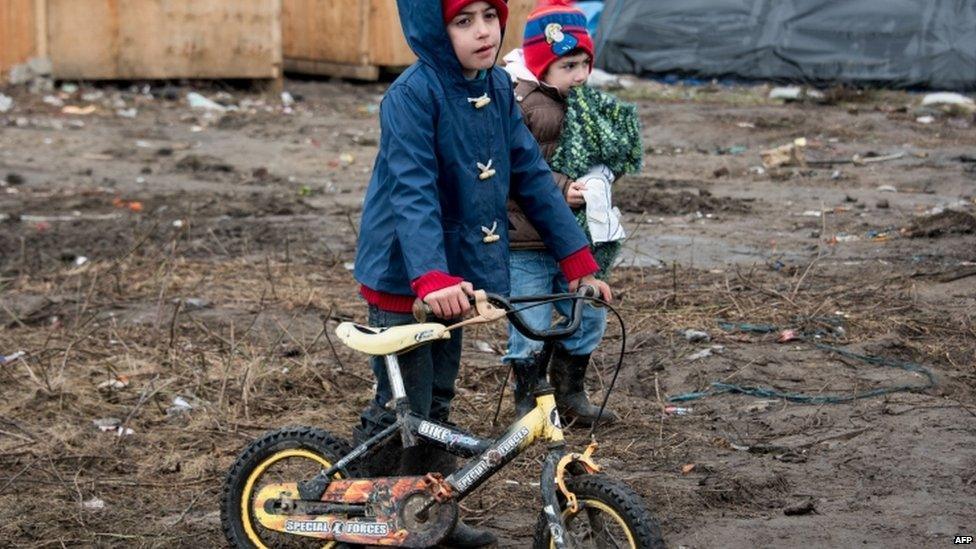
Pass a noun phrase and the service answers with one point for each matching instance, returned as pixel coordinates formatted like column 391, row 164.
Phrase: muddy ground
column 184, row 254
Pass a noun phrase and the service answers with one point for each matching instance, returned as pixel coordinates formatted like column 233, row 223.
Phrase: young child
column 453, row 149
column 586, row 136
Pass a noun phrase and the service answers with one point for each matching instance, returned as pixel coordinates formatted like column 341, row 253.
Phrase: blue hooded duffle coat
column 447, row 162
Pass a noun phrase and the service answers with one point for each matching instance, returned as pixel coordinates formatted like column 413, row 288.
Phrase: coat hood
column 423, row 26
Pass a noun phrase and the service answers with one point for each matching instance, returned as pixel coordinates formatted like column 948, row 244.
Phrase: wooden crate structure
column 356, row 38
column 146, row 39
column 21, row 23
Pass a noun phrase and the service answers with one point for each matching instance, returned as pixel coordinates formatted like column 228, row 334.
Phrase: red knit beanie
column 554, row 29
column 452, row 7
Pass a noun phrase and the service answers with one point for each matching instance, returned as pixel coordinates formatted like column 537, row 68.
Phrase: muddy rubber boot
column 422, row 459
column 383, row 459
column 567, row 373
column 526, row 376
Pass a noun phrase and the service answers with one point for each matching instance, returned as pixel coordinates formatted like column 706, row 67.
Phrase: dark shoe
column 383, row 459
column 526, row 377
column 567, row 373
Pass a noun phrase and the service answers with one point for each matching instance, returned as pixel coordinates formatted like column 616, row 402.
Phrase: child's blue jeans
column 535, row 272
column 428, row 372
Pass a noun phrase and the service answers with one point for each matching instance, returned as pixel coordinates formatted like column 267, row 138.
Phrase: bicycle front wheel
column 609, row 514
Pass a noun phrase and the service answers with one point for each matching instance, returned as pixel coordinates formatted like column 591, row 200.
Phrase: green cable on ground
column 718, row 388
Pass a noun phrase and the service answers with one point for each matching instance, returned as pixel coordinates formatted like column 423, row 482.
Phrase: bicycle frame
column 489, row 455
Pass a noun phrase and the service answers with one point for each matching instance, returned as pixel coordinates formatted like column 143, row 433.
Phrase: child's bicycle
column 298, row 485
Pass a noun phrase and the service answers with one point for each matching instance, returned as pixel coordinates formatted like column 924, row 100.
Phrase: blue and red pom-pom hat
column 554, row 29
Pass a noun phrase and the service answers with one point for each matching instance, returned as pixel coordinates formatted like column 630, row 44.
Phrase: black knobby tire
column 313, row 440
column 616, row 495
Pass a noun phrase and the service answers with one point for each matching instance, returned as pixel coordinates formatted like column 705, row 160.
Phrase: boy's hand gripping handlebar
column 490, row 307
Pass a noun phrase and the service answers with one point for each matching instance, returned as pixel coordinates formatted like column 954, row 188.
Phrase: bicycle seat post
column 400, row 402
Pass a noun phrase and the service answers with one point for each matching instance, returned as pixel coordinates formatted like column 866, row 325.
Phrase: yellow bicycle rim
column 606, row 509
column 253, row 477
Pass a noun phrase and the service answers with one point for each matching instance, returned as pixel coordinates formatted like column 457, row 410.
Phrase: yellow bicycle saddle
column 388, row 341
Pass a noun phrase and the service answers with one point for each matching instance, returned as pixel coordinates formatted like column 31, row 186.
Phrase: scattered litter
column 131, row 205
column 812, row 213
column 484, row 346
column 835, row 175
column 69, row 88
column 6, row 103
column 287, row 99
column 180, row 405
column 79, row 111
column 746, row 125
column 687, row 468
column 4, row 360
column 94, row 504
column 927, row 119
column 35, row 73
column 949, row 98
column 795, row 93
column 368, row 109
column 80, row 260
column 52, row 100
column 790, row 154
column 349, row 265
column 198, row 101
column 347, row 158
column 734, row 150
column 871, row 158
column 127, row 113
column 112, row 425
column 758, row 406
column 695, row 336
column 887, row 189
column 787, row 335
column 677, row 410
column 120, row 382
column 706, row 352
column 107, row 424
column 193, row 303
column 844, row 237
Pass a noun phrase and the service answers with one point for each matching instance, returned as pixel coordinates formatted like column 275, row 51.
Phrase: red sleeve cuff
column 578, row 264
column 433, row 281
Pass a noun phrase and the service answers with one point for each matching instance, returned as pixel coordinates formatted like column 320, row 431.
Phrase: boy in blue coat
column 453, row 149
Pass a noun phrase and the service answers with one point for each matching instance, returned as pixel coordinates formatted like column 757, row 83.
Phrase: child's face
column 475, row 33
column 567, row 72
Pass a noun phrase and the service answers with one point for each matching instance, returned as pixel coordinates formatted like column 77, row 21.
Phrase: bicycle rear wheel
column 609, row 515
column 286, row 455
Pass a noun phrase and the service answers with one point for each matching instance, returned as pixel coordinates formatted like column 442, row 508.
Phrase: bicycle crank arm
column 379, row 511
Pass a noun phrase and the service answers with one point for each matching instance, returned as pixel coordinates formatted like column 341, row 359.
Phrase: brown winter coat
column 544, row 109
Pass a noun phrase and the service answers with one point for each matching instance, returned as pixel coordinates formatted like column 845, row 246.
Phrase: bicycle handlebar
column 421, row 311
